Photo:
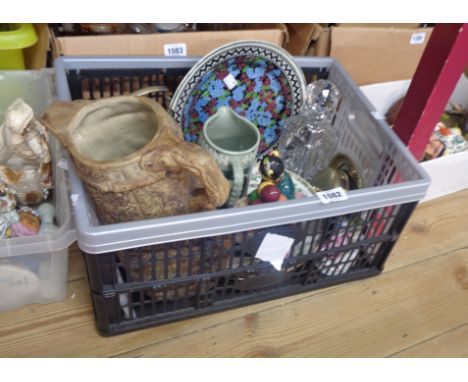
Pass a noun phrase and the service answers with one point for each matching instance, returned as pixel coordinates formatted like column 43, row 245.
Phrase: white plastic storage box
column 449, row 173
column 34, row 269
column 153, row 271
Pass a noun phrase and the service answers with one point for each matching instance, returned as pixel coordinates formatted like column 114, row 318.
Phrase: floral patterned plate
column 259, row 80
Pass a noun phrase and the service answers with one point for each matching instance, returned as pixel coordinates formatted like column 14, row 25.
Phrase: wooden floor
column 417, row 308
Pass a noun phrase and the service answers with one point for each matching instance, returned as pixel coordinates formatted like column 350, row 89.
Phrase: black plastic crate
column 159, row 274
column 155, row 284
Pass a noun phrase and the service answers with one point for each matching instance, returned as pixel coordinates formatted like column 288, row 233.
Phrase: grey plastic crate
column 154, row 271
column 366, row 138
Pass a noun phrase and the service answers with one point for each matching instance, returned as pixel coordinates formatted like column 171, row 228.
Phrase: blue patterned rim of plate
column 268, row 87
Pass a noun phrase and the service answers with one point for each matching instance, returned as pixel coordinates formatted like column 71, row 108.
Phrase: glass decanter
column 309, row 139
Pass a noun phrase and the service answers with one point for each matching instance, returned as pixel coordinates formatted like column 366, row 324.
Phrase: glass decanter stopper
column 309, row 139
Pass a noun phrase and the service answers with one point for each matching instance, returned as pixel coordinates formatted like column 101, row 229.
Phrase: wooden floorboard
column 435, row 228
column 371, row 318
column 453, row 343
column 417, row 307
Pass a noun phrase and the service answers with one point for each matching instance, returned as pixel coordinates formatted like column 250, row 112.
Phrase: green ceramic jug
column 233, row 142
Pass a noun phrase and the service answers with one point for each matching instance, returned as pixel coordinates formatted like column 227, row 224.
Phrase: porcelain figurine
column 25, row 162
column 46, row 212
column 8, row 214
column 28, row 224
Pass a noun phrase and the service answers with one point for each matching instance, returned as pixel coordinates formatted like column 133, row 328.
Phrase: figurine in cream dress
column 25, row 162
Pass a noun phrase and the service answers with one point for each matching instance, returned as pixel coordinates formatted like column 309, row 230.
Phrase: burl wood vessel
column 132, row 158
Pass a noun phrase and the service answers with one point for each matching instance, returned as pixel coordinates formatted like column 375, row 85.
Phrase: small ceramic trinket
column 266, row 192
column 7, row 199
column 434, row 149
column 272, row 169
column 8, row 214
column 25, row 162
column 445, row 141
column 276, row 184
column 46, row 212
column 28, row 224
column 452, row 138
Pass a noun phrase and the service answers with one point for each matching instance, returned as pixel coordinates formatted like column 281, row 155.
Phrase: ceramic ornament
column 28, row 224
column 8, row 214
column 46, row 212
column 25, row 162
column 276, row 184
column 7, row 199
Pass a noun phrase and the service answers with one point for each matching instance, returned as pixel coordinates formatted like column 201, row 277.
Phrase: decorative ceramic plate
column 259, row 80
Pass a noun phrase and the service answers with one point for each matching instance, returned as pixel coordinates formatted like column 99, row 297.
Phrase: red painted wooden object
column 439, row 70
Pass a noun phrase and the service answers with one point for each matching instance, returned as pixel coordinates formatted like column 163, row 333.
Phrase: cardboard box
column 197, row 43
column 373, row 54
column 301, row 36
column 380, row 25
column 313, row 39
column 449, row 173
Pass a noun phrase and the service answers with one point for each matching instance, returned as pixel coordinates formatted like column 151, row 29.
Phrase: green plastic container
column 13, row 39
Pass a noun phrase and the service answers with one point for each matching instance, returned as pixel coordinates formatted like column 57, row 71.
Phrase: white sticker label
column 74, row 199
column 62, row 163
column 230, row 81
column 334, row 195
column 377, row 115
column 417, row 38
column 175, row 49
column 274, row 249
